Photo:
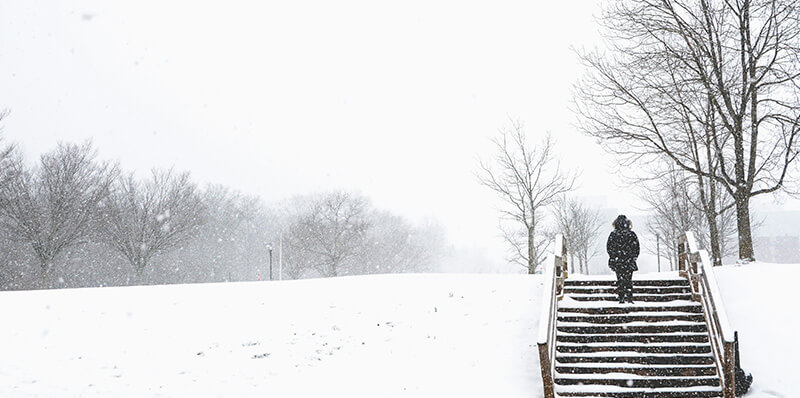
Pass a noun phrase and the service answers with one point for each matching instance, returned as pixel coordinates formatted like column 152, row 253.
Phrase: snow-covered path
column 371, row 336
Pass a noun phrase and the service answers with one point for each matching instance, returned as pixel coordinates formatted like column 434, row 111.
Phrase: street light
column 269, row 246
column 658, row 251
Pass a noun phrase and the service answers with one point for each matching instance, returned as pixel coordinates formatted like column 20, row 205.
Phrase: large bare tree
column 527, row 178
column 671, row 61
column 55, row 205
column 145, row 219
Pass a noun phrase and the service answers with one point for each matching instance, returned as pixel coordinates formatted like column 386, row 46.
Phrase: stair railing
column 554, row 273
column 696, row 265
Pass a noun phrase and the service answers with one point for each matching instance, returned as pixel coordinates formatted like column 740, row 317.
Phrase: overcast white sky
column 394, row 99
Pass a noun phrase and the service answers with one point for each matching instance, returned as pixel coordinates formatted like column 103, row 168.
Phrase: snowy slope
column 762, row 303
column 371, row 336
column 376, row 336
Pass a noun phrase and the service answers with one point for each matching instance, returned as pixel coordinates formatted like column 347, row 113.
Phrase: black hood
column 622, row 223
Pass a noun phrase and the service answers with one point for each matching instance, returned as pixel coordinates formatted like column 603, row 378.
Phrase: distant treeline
column 70, row 220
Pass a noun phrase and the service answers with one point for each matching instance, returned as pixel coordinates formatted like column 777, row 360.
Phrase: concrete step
column 624, row 392
column 695, row 308
column 649, row 370
column 636, row 282
column 581, row 328
column 640, row 317
column 637, row 289
column 633, row 338
column 675, row 348
column 633, row 358
column 657, row 347
column 638, row 382
column 636, row 297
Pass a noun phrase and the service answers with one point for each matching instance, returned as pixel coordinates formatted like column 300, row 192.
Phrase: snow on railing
column 696, row 265
column 555, row 266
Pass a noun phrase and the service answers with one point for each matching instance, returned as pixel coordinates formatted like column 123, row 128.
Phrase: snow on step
column 636, row 297
column 618, row 319
column 636, row 323
column 607, row 388
column 626, row 354
column 634, row 345
column 626, row 376
column 674, row 348
column 649, row 370
column 610, row 289
column 569, row 302
column 622, row 364
column 593, row 390
column 638, row 313
column 672, row 275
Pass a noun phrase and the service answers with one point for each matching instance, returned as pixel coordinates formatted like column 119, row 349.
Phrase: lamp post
column 269, row 246
column 658, row 251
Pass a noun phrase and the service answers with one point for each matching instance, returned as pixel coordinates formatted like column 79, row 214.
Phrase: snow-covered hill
column 370, row 336
column 375, row 336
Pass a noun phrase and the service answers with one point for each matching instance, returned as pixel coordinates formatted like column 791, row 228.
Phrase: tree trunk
column 743, row 225
column 572, row 263
column 531, row 251
column 710, row 209
column 585, row 261
column 713, row 231
column 46, row 267
column 139, row 274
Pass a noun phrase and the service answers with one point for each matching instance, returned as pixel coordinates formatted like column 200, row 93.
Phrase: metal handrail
column 696, row 265
column 554, row 275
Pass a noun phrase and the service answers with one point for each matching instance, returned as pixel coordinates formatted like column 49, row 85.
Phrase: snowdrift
column 762, row 305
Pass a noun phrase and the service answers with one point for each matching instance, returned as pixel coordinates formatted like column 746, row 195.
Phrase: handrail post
column 696, row 265
column 682, row 256
column 553, row 285
column 730, row 372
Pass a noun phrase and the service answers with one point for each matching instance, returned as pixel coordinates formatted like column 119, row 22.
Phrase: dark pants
column 625, row 285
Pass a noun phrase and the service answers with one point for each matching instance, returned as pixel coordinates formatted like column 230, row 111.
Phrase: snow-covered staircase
column 657, row 347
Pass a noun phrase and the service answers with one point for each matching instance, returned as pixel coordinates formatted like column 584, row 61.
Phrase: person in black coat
column 623, row 249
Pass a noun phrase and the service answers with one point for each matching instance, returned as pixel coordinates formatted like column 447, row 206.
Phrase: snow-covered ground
column 371, row 336
column 763, row 305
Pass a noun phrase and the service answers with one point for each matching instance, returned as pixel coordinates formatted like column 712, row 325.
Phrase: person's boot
column 629, row 297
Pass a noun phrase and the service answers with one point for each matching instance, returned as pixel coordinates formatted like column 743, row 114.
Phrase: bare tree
column 672, row 199
column 143, row 220
column 55, row 206
column 527, row 178
column 340, row 233
column 327, row 233
column 673, row 59
column 231, row 245
column 580, row 225
column 672, row 212
column 6, row 155
column 393, row 245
